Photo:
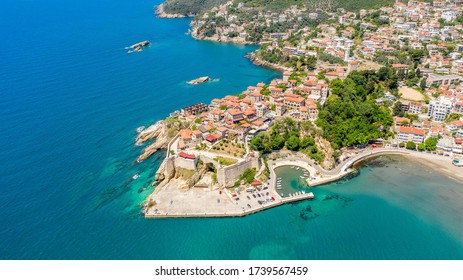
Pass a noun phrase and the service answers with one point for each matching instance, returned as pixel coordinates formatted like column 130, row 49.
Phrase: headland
column 334, row 107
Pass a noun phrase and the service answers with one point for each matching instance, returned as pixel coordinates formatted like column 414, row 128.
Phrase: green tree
column 306, row 142
column 430, row 144
column 397, row 109
column 423, row 84
column 277, row 141
column 248, row 175
column 452, row 117
column 293, row 143
column 410, row 145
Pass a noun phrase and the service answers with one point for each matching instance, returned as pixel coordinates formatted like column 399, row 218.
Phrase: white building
column 415, row 135
column 439, row 109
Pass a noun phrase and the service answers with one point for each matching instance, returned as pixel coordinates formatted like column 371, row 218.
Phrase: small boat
column 140, row 129
column 135, row 177
column 302, row 177
column 282, row 195
column 292, row 166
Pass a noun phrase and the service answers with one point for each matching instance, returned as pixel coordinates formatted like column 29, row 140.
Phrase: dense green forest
column 186, row 7
column 198, row 6
column 350, row 115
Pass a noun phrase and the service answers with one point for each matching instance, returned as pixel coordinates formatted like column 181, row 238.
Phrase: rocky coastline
column 257, row 61
column 159, row 132
column 237, row 40
column 161, row 13
column 219, row 39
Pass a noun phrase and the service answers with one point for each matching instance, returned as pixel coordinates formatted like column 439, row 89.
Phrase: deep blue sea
column 70, row 101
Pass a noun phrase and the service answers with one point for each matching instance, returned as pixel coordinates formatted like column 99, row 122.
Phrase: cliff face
column 325, row 146
column 158, row 131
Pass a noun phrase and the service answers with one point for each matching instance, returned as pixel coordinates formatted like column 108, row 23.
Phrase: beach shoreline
column 441, row 164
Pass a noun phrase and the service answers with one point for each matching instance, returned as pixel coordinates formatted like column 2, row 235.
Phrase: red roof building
column 185, row 155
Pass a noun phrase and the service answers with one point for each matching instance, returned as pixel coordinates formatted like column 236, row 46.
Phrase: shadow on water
column 349, row 176
column 323, row 205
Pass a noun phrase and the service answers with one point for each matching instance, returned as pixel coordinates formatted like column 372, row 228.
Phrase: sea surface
column 70, row 101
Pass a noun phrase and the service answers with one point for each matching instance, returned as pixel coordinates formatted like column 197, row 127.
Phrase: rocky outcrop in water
column 138, row 46
column 149, row 133
column 199, row 80
column 158, row 131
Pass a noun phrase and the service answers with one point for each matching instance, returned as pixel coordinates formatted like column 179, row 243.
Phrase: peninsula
column 355, row 84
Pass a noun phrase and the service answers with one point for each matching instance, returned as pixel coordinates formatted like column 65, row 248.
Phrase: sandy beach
column 439, row 163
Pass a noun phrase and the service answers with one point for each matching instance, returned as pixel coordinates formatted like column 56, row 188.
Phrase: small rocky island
column 138, row 46
column 199, row 80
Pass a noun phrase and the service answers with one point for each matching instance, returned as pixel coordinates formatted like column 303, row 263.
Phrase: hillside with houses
column 385, row 78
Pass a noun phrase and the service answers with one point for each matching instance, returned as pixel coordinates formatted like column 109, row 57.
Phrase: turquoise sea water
column 70, row 100
column 291, row 181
